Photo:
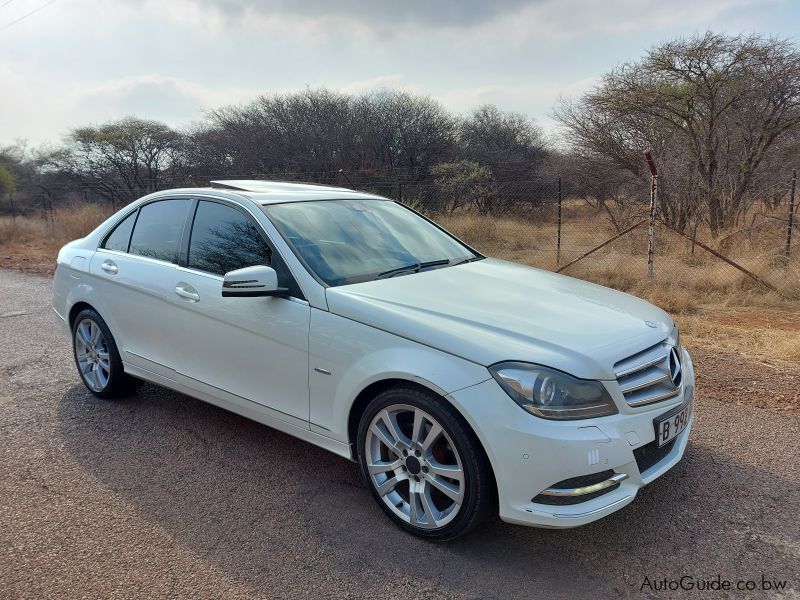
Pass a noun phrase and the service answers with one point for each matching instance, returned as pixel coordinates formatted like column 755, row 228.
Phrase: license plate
column 670, row 425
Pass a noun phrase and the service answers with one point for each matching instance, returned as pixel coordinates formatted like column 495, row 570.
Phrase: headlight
column 552, row 394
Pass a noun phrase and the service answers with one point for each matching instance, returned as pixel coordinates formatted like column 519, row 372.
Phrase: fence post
column 344, row 174
column 13, row 209
column 651, row 230
column 791, row 216
column 558, row 240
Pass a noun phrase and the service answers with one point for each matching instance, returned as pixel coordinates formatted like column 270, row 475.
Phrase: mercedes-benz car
column 464, row 386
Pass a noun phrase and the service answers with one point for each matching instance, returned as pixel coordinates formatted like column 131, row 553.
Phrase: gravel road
column 161, row 495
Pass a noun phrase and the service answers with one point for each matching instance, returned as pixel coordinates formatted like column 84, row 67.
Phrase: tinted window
column 223, row 239
column 158, row 229
column 121, row 236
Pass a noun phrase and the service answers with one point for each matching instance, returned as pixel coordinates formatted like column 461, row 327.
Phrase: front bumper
column 530, row 454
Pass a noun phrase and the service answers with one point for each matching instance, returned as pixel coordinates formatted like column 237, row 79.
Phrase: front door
column 253, row 348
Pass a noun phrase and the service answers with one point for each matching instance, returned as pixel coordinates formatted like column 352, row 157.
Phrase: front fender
column 346, row 357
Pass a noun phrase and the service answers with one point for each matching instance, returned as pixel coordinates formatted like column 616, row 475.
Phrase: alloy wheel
column 414, row 466
column 91, row 352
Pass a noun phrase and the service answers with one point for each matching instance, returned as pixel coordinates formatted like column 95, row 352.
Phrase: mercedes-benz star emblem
column 675, row 368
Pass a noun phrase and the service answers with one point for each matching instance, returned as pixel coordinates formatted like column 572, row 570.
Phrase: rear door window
column 158, row 229
column 121, row 236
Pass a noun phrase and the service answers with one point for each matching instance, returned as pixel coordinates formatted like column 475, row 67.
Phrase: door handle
column 109, row 266
column 184, row 293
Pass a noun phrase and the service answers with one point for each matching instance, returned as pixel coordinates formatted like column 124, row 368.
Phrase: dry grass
column 771, row 336
column 32, row 244
column 20, row 231
column 684, row 280
column 67, row 224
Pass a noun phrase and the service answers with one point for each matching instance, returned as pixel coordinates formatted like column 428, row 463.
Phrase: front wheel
column 424, row 465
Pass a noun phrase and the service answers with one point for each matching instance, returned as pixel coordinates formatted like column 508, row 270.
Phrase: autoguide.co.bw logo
column 716, row 583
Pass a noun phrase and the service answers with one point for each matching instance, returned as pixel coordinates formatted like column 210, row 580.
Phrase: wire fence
column 544, row 222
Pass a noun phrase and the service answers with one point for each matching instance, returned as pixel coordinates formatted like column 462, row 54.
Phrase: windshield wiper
column 412, row 268
column 468, row 260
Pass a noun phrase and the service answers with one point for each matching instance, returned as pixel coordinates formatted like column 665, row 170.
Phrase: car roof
column 278, row 192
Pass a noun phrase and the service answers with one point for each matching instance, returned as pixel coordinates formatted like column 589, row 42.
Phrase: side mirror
column 252, row 282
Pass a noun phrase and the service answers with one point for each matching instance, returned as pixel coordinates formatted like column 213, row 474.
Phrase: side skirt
column 245, row 408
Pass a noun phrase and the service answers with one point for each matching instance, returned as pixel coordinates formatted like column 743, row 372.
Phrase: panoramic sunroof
column 271, row 186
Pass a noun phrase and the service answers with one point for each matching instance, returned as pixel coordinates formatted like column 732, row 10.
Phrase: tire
column 434, row 483
column 97, row 358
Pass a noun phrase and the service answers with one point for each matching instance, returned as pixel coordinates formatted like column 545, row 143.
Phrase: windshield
column 349, row 241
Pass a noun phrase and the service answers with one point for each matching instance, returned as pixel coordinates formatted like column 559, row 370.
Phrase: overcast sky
column 75, row 62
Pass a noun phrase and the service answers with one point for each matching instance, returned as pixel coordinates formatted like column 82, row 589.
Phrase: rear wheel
column 97, row 357
column 425, row 467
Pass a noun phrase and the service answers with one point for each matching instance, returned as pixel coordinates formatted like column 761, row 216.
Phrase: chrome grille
column 652, row 375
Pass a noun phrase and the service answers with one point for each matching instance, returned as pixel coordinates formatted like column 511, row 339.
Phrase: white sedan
column 463, row 385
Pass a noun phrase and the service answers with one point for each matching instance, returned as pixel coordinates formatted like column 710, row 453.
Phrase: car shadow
column 251, row 500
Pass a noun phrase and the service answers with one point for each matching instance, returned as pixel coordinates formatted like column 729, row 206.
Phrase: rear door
column 134, row 270
column 253, row 348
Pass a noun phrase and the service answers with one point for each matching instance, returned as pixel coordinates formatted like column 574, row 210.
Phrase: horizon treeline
column 720, row 113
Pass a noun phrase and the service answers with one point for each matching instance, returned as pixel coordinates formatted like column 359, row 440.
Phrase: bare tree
column 314, row 133
column 509, row 143
column 120, row 160
column 714, row 105
column 402, row 133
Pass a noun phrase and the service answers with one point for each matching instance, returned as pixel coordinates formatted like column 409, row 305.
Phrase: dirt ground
column 727, row 377
column 34, row 260
column 161, row 495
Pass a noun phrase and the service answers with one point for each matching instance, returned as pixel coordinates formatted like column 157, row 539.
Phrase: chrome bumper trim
column 591, row 512
column 587, row 489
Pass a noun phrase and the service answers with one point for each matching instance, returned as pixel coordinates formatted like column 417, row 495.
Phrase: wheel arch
column 366, row 395
column 75, row 309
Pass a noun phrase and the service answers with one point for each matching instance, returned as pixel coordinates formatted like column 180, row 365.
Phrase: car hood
column 491, row 310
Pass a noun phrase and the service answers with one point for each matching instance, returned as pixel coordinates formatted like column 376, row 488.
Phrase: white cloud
column 27, row 111
column 87, row 61
column 365, row 85
column 38, row 112
column 575, row 19
column 528, row 97
column 381, row 15
column 314, row 20
column 173, row 100
column 166, row 95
